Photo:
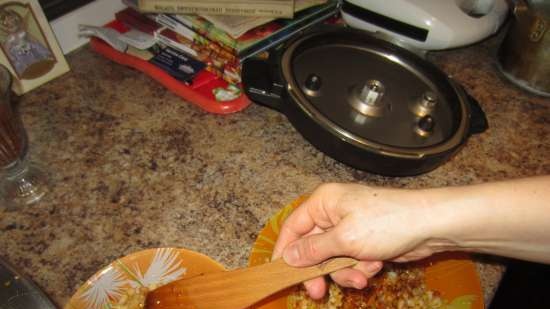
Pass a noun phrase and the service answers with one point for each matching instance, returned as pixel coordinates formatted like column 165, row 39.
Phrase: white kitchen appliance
column 427, row 24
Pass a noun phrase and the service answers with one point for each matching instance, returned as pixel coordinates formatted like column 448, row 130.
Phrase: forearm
column 510, row 218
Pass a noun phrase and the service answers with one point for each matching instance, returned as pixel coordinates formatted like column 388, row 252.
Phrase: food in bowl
column 397, row 286
column 133, row 298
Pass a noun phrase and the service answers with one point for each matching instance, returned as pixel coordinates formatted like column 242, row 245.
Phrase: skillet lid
column 374, row 94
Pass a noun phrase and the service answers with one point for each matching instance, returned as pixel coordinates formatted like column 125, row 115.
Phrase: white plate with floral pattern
column 141, row 269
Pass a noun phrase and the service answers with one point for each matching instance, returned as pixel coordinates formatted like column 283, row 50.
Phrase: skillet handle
column 262, row 81
column 478, row 119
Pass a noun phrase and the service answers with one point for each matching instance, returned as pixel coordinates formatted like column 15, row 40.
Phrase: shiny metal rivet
column 429, row 99
column 312, row 85
column 425, row 126
column 425, row 105
column 313, row 82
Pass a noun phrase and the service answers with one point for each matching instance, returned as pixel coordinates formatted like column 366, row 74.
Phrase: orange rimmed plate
column 142, row 268
column 453, row 275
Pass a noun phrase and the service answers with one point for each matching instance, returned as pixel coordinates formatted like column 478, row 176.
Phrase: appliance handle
column 262, row 81
column 478, row 118
column 479, row 27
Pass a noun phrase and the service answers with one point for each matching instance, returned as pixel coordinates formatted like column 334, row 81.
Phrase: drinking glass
column 21, row 182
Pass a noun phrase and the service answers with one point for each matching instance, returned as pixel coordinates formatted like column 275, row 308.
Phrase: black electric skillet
column 365, row 102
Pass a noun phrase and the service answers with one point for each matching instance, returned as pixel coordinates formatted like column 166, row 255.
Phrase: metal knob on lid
column 312, row 85
column 367, row 100
column 425, row 126
column 425, row 105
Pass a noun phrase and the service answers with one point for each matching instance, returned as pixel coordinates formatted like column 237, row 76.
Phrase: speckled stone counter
column 136, row 167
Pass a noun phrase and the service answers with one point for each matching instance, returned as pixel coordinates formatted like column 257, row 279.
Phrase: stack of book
column 220, row 34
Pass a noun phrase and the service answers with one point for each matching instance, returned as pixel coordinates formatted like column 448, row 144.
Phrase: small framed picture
column 29, row 48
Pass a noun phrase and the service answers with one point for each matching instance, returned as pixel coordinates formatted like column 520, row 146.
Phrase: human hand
column 369, row 224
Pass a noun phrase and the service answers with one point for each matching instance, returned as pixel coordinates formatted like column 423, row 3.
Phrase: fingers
column 303, row 220
column 313, row 249
column 357, row 276
column 316, row 288
column 349, row 277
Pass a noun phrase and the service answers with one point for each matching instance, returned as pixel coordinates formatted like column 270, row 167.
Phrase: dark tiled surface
column 136, row 167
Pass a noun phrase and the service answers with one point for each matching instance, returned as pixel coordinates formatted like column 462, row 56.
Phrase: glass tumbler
column 21, row 182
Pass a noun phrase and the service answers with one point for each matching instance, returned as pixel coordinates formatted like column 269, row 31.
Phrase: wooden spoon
column 237, row 289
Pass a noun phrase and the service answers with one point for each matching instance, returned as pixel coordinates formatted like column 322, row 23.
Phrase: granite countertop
column 136, row 167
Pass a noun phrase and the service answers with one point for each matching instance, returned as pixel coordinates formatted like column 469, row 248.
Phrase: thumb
column 312, row 249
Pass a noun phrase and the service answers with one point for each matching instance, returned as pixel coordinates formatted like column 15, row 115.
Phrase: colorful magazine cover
column 236, row 26
column 217, row 60
column 171, row 23
column 226, row 67
column 178, row 65
column 263, row 37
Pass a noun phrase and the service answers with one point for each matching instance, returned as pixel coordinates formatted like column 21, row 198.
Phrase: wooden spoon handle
column 240, row 288
column 282, row 274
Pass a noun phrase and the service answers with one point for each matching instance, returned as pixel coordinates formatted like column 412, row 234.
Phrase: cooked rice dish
column 396, row 287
